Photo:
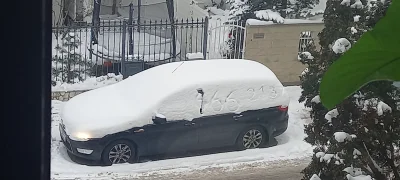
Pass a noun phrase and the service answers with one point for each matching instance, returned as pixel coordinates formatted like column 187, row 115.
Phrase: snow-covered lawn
column 290, row 147
column 147, row 47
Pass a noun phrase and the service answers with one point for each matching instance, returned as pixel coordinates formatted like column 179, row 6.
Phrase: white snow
column 378, row 105
column 290, row 146
column 198, row 55
column 327, row 158
column 306, row 70
column 316, row 99
column 319, row 154
column 230, row 86
column 356, row 18
column 269, row 15
column 356, row 152
column 307, row 55
column 256, row 22
column 146, row 47
column 88, row 84
column 331, row 114
column 345, row 2
column 353, row 30
column 317, row 9
column 353, row 171
column 159, row 115
column 315, row 177
column 217, row 11
column 357, row 4
column 359, row 177
column 341, row 45
column 341, row 136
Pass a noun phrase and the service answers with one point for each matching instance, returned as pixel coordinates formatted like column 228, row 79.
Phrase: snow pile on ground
column 88, row 84
column 290, row 147
column 230, row 86
column 198, row 55
column 146, row 47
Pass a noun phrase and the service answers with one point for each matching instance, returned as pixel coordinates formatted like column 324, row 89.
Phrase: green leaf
column 376, row 56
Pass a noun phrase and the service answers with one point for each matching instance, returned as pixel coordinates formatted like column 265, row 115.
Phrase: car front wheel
column 118, row 152
column 250, row 138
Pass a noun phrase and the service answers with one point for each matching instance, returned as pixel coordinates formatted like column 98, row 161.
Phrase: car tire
column 251, row 138
column 118, row 152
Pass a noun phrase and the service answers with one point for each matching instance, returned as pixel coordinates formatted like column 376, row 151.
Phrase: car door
column 172, row 136
column 217, row 130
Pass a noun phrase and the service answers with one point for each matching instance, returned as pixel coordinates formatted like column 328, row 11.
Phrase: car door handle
column 139, row 130
column 190, row 124
column 236, row 117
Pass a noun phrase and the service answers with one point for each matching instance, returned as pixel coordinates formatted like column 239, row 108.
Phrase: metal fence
column 117, row 46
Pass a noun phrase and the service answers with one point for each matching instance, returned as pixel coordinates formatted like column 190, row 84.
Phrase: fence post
column 123, row 49
column 130, row 28
column 139, row 16
column 205, row 40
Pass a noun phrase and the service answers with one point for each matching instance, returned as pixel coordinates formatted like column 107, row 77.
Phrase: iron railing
column 128, row 47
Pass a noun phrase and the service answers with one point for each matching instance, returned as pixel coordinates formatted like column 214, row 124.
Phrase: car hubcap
column 120, row 153
column 252, row 139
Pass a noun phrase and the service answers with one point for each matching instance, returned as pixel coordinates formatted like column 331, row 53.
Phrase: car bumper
column 281, row 126
column 90, row 150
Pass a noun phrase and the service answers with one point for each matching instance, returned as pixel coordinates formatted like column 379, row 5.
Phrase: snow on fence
column 117, row 46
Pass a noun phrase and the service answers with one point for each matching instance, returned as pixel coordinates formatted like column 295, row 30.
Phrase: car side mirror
column 159, row 120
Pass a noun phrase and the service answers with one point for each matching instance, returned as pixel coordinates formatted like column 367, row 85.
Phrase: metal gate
column 226, row 40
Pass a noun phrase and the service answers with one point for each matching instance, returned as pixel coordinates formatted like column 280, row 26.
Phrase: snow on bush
column 238, row 7
column 307, row 55
column 359, row 177
column 353, row 30
column 353, row 171
column 341, row 45
column 342, row 136
column 345, row 2
column 331, row 114
column 378, row 105
column 356, row 153
column 315, row 177
column 327, row 158
column 88, row 84
column 269, row 16
column 356, row 18
column 305, row 71
column 316, row 99
column 358, row 4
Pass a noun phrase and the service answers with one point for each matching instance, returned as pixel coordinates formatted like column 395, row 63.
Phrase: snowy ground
column 291, row 147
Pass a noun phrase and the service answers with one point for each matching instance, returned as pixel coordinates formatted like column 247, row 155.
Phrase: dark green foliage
column 373, row 137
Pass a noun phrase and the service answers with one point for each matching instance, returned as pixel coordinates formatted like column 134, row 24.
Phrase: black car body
column 177, row 107
column 182, row 135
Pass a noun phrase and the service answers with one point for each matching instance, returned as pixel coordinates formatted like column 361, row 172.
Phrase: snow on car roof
column 133, row 101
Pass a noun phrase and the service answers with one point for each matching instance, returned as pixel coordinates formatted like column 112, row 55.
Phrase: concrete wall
column 276, row 46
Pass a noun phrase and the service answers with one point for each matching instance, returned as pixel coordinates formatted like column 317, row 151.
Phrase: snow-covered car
column 177, row 107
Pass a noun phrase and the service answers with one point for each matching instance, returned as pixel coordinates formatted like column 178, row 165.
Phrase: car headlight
column 82, row 136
